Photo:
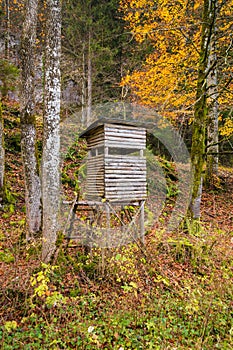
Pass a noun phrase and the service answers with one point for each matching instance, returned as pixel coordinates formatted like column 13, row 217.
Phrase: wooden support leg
column 107, row 208
column 68, row 230
column 105, row 243
column 122, row 218
column 142, row 221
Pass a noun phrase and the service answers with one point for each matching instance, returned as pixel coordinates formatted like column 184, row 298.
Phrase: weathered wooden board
column 126, row 194
column 120, row 128
column 132, row 133
column 122, row 144
column 114, row 167
column 125, row 197
column 124, row 158
column 124, row 178
column 125, row 171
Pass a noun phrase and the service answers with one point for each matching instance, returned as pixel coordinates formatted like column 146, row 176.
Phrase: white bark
column 51, row 141
column 28, row 128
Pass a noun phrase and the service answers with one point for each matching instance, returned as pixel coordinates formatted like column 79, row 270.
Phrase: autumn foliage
column 167, row 79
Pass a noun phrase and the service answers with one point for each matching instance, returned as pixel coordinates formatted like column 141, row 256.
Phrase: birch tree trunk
column 200, row 109
column 28, row 123
column 51, row 138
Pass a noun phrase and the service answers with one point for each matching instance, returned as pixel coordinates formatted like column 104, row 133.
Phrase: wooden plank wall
column 124, row 136
column 96, row 138
column 95, row 177
column 125, row 178
column 125, row 175
column 95, row 165
column 117, row 177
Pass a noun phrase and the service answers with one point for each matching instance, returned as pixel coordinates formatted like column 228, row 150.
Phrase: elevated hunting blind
column 116, row 165
column 116, row 186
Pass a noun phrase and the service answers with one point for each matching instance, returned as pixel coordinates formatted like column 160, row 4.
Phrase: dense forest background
column 58, row 61
column 126, row 51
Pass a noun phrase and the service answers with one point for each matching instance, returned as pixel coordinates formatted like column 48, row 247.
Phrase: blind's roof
column 101, row 121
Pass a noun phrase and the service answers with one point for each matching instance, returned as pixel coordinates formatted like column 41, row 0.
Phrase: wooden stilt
column 142, row 221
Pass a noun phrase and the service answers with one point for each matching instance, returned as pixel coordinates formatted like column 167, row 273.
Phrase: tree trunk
column 2, row 156
column 7, row 33
column 28, row 123
column 87, row 84
column 213, row 112
column 84, row 111
column 200, row 109
column 89, row 80
column 51, row 137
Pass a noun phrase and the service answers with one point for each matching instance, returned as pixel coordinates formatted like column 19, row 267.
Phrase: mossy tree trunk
column 7, row 29
column 4, row 93
column 213, row 109
column 51, row 138
column 2, row 157
column 28, row 124
column 200, row 110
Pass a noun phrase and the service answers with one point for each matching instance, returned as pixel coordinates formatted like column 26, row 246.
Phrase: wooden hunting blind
column 116, row 165
column 116, row 186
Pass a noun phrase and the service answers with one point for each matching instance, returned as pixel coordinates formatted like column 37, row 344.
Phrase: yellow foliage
column 10, row 326
column 227, row 128
column 123, row 265
column 167, row 79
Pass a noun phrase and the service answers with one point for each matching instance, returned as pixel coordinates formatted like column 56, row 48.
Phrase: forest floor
column 175, row 292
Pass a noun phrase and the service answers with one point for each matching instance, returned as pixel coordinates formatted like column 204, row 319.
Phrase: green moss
column 6, row 256
column 13, row 142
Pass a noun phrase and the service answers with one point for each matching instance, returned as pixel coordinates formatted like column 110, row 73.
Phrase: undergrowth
column 175, row 292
